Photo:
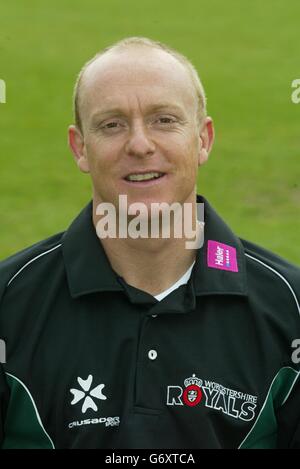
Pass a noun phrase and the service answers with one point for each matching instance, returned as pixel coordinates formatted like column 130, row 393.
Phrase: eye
column 166, row 120
column 111, row 125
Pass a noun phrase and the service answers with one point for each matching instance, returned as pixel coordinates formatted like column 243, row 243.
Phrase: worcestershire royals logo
column 192, row 394
column 206, row 393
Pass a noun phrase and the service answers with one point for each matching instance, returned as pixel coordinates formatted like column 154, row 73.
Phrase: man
column 139, row 342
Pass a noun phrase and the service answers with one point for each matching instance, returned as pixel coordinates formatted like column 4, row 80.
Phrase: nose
column 139, row 143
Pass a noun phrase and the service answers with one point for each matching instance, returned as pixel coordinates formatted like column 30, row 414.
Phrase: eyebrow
column 116, row 111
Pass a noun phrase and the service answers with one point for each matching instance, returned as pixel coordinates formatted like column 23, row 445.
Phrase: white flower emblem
column 88, row 402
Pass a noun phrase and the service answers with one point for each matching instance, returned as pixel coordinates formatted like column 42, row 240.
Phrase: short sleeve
column 288, row 419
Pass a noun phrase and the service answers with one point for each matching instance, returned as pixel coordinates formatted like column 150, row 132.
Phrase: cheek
column 188, row 167
column 100, row 156
column 189, row 147
column 188, row 159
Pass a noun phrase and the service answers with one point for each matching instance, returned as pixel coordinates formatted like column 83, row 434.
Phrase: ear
column 207, row 135
column 77, row 145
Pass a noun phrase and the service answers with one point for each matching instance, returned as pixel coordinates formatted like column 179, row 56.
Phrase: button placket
column 147, row 381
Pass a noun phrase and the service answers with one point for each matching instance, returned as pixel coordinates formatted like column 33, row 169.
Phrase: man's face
column 138, row 111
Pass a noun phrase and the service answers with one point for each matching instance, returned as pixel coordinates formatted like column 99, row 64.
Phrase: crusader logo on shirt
column 212, row 395
column 87, row 395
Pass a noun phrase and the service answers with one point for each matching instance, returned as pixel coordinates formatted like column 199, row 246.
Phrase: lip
column 144, row 172
column 151, row 182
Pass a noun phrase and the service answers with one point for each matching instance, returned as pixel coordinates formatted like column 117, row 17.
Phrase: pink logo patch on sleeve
column 221, row 256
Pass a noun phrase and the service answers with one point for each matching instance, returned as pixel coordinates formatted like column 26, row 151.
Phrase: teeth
column 143, row 177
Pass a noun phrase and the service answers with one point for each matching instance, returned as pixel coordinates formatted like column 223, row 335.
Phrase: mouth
column 144, row 178
column 149, row 176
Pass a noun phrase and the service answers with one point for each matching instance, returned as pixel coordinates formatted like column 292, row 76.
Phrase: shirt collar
column 89, row 271
column 87, row 266
column 211, row 280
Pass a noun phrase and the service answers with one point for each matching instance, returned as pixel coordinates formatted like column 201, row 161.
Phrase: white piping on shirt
column 34, row 406
column 279, row 275
column 32, row 260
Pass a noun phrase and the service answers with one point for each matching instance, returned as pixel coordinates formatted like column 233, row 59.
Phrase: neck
column 149, row 264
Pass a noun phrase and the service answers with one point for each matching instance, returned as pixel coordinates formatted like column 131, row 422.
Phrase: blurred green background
column 247, row 54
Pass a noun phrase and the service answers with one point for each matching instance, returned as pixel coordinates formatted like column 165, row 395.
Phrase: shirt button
column 152, row 354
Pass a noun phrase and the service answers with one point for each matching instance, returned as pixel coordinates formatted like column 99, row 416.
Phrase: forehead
column 138, row 75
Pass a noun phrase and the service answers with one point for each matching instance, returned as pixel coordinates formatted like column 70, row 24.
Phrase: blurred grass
column 247, row 55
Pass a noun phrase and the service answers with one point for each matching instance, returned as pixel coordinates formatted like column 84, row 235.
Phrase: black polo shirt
column 92, row 362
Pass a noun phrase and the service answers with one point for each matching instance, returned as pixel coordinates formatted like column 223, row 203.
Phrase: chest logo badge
column 192, row 394
column 87, row 394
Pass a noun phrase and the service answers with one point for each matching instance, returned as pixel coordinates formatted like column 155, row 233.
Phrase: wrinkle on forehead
column 141, row 71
